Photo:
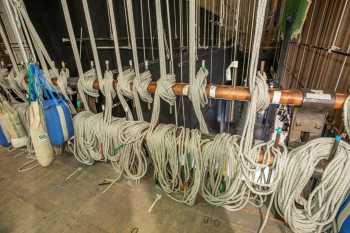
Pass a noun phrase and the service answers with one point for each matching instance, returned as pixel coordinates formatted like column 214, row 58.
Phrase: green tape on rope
column 78, row 104
column 117, row 150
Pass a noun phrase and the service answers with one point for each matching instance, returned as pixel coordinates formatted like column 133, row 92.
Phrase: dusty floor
column 40, row 201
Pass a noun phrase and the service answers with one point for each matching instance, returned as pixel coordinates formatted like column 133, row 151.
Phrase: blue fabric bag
column 343, row 217
column 58, row 118
column 3, row 139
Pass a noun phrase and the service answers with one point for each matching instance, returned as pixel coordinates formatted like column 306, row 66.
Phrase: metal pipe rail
column 285, row 97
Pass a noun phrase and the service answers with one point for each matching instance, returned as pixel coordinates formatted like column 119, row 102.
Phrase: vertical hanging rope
column 175, row 18
column 165, row 82
column 27, row 38
column 143, row 32
column 127, row 24
column 150, row 27
column 124, row 81
column 75, row 52
column 225, row 44
column 212, row 41
column 205, row 25
column 141, row 81
column 17, row 34
column 249, row 153
column 181, row 60
column 9, row 49
column 244, row 67
column 196, row 90
column 92, row 42
column 250, row 44
column 170, row 39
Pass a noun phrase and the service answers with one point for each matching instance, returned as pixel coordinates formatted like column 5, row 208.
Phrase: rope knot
column 164, row 89
column 261, row 92
column 142, row 85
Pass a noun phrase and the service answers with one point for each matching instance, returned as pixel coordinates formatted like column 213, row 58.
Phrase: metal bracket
column 318, row 100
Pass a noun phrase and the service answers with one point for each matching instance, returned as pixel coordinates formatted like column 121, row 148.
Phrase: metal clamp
column 316, row 99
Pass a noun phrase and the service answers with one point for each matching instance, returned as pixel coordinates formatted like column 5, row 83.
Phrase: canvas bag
column 11, row 123
column 40, row 139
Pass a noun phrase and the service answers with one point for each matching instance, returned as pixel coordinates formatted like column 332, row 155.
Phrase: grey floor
column 40, row 201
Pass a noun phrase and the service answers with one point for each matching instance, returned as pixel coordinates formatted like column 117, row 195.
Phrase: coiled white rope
column 221, row 174
column 316, row 212
column 176, row 154
column 128, row 155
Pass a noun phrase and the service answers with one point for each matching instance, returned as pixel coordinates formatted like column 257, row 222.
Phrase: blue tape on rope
column 338, row 138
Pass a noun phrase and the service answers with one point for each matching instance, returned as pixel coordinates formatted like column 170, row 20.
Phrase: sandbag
column 4, row 139
column 40, row 140
column 59, row 122
column 12, row 124
column 343, row 217
column 58, row 118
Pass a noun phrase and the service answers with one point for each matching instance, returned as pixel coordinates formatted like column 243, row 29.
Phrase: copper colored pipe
column 226, row 92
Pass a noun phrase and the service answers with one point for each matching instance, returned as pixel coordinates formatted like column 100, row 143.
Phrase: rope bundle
column 128, row 154
column 176, row 153
column 228, row 171
column 221, row 174
column 197, row 94
column 316, row 212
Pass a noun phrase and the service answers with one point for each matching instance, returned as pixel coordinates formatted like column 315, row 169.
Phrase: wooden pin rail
column 226, row 92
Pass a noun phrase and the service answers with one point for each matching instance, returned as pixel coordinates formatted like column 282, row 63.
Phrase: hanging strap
column 9, row 49
column 17, row 34
column 164, row 84
column 73, row 43
column 93, row 42
column 141, row 81
column 119, row 61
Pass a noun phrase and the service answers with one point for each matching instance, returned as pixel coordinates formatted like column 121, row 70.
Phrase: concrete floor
column 40, row 201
